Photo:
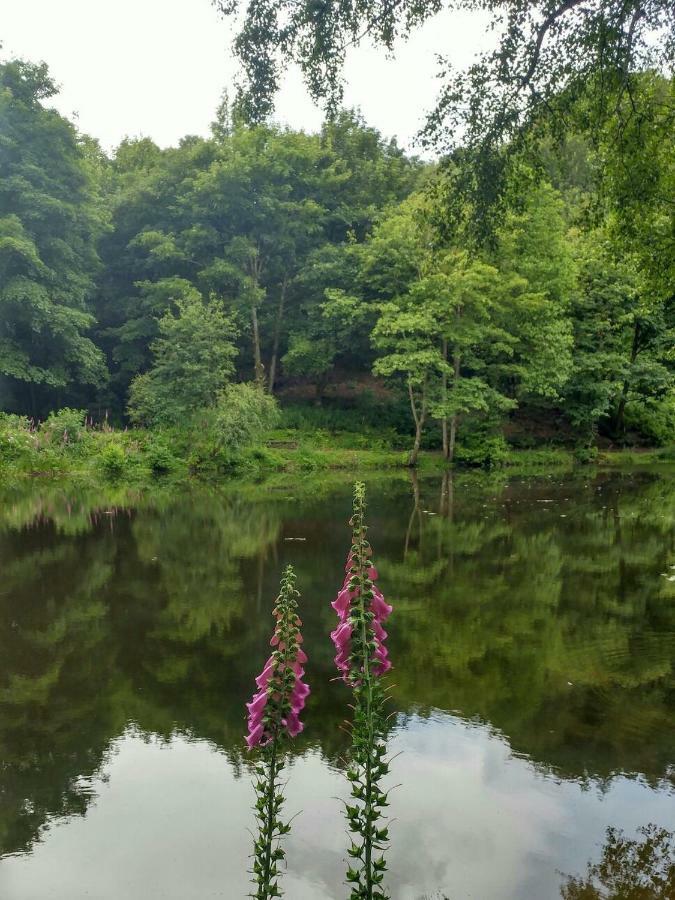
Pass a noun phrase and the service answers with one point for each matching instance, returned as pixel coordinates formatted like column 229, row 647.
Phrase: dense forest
column 334, row 270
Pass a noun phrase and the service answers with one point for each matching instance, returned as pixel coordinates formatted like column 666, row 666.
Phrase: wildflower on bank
column 362, row 658
column 273, row 715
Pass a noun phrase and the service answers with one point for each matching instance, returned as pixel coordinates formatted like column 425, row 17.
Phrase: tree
column 535, row 255
column 193, row 361
column 622, row 340
column 549, row 55
column 49, row 223
column 243, row 413
column 407, row 337
column 310, row 356
column 242, row 215
column 466, row 297
column 543, row 43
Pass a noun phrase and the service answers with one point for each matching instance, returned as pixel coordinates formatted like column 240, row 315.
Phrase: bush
column 113, row 460
column 656, row 422
column 585, row 455
column 242, row 415
column 482, row 451
column 17, row 438
column 254, row 461
column 66, row 426
column 159, row 457
column 367, row 414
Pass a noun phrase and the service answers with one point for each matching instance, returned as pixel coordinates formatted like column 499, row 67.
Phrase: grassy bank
column 65, row 447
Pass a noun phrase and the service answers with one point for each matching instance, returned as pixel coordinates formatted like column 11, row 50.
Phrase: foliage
column 640, row 869
column 193, row 360
column 17, row 437
column 159, row 457
column 374, row 421
column 113, row 460
column 67, row 426
column 243, row 215
column 654, row 422
column 482, row 451
column 50, row 220
column 549, row 59
column 335, row 270
column 242, row 415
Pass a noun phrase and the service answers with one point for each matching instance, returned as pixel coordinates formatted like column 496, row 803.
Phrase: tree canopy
column 328, row 267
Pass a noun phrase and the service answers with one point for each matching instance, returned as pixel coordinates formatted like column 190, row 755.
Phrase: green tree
column 50, row 218
column 622, row 341
column 548, row 56
column 193, row 361
column 243, row 413
column 535, row 254
column 246, row 215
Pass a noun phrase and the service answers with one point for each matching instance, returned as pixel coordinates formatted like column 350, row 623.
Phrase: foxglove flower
column 361, row 659
column 275, row 707
column 273, row 715
column 361, row 610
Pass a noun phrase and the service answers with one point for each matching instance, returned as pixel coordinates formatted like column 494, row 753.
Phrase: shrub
column 17, row 438
column 585, row 455
column 159, row 457
column 482, row 451
column 655, row 422
column 242, row 415
column 66, row 426
column 113, row 460
column 365, row 414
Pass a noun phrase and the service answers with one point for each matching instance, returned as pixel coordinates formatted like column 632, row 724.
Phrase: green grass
column 138, row 457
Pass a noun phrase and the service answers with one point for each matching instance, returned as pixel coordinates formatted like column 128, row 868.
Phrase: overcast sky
column 157, row 67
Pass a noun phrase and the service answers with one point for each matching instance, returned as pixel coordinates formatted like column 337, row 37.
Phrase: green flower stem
column 264, row 889
column 367, row 748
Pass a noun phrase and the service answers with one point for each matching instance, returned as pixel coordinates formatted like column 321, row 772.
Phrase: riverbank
column 137, row 456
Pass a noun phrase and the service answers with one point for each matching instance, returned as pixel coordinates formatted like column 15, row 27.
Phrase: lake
column 533, row 689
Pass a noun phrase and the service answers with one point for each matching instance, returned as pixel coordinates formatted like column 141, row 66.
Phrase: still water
column 533, row 639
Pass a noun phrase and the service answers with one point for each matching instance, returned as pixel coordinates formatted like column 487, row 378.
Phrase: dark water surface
column 533, row 639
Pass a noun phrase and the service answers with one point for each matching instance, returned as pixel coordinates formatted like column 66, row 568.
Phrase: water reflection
column 641, row 868
column 534, row 644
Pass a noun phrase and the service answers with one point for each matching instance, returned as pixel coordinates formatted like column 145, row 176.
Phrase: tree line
column 140, row 285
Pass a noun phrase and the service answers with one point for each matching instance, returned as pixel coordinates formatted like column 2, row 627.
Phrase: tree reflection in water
column 541, row 607
column 641, row 868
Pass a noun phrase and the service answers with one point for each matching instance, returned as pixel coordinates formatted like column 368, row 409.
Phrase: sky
column 157, row 68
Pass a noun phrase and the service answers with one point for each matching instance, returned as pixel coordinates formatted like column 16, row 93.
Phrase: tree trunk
column 257, row 359
column 33, row 404
column 277, row 335
column 453, row 438
column 444, row 397
column 320, row 388
column 419, row 417
column 414, row 453
column 454, row 418
column 621, row 408
column 255, row 270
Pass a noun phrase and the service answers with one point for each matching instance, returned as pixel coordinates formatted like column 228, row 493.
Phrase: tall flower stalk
column 274, row 716
column 362, row 659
